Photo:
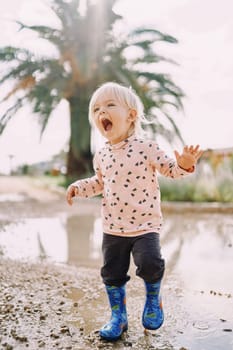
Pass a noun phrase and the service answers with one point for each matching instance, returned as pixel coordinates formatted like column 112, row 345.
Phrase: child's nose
column 102, row 110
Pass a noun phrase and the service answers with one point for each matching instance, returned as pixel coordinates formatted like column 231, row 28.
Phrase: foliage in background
column 208, row 184
column 88, row 53
column 197, row 191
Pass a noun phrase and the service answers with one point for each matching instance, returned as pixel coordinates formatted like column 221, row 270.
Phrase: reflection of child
column 126, row 176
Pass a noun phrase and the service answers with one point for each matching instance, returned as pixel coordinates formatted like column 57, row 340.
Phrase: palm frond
column 175, row 128
column 164, row 80
column 156, row 35
column 26, row 83
column 43, row 102
column 22, row 71
column 10, row 113
column 51, row 34
column 148, row 58
column 25, row 75
column 10, row 53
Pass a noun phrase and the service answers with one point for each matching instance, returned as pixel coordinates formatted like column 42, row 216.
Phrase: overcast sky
column 205, row 72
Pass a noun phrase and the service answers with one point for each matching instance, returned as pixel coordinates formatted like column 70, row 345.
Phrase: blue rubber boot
column 118, row 323
column 153, row 316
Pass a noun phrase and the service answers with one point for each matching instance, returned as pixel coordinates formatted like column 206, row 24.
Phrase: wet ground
column 51, row 294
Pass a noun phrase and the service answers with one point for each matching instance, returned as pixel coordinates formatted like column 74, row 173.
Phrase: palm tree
column 88, row 54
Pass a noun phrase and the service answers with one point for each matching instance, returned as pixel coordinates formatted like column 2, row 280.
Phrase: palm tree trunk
column 78, row 167
column 79, row 160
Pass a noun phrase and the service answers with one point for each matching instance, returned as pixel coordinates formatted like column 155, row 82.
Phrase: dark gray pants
column 146, row 253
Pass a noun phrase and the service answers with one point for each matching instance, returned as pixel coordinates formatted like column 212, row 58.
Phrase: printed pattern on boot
column 118, row 323
column 153, row 315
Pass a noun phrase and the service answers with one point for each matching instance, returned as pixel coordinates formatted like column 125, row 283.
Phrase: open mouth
column 107, row 124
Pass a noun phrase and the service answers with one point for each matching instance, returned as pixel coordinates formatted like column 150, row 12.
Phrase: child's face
column 113, row 119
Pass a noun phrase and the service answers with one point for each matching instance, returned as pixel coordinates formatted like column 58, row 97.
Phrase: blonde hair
column 126, row 96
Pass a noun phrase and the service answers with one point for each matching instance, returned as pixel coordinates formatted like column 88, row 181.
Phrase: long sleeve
column 165, row 165
column 91, row 186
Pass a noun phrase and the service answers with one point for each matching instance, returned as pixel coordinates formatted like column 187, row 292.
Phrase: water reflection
column 35, row 238
column 193, row 245
column 75, row 239
column 84, row 235
column 200, row 246
column 96, row 240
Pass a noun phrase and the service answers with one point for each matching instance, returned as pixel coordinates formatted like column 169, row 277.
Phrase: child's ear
column 132, row 115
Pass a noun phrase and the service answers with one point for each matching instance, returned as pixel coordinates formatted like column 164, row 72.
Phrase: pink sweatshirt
column 126, row 176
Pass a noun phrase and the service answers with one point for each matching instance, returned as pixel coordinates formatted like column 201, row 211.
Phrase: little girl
column 126, row 176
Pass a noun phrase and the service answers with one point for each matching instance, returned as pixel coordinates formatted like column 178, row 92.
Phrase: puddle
column 197, row 248
column 76, row 240
column 199, row 254
column 12, row 197
column 33, row 239
column 197, row 288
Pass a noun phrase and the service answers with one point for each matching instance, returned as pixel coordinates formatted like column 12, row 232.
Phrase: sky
column 204, row 30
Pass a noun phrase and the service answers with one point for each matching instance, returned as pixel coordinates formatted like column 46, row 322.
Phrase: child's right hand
column 71, row 192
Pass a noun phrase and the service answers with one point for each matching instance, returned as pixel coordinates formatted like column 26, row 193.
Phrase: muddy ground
column 60, row 304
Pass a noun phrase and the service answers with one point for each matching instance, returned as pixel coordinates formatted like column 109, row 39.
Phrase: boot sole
column 153, row 328
column 124, row 329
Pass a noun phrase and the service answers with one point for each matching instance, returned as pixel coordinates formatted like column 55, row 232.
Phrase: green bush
column 225, row 190
column 198, row 189
column 177, row 190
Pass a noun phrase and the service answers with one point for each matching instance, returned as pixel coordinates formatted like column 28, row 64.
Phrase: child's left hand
column 188, row 159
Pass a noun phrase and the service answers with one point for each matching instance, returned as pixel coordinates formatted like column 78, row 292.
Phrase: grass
column 197, row 189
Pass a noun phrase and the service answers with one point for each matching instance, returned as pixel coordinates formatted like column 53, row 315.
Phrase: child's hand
column 71, row 192
column 189, row 157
